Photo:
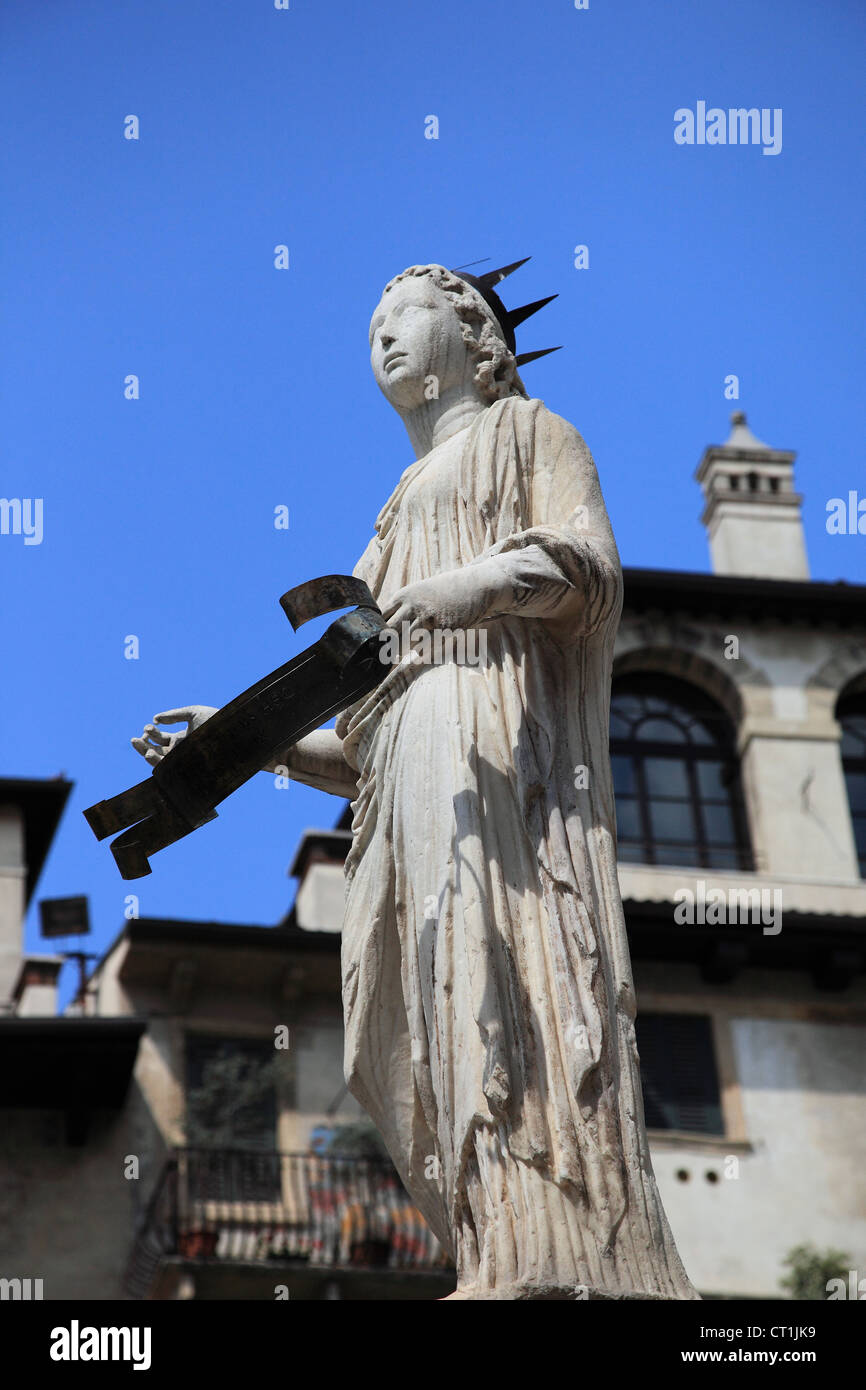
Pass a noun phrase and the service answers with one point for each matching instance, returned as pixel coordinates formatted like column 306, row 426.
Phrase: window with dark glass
column 851, row 714
column 231, row 1118
column 678, row 1073
column 676, row 776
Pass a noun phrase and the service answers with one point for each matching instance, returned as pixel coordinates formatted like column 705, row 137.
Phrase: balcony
column 235, row 1223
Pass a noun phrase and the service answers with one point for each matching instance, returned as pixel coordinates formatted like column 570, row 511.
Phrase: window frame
column 689, row 699
column 734, row 1138
column 853, row 704
column 664, row 1046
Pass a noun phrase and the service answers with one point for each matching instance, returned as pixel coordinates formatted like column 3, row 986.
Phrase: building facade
column 215, row 1153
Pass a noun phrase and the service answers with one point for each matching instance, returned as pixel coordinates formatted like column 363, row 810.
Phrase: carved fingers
column 455, row 599
column 154, row 743
column 191, row 715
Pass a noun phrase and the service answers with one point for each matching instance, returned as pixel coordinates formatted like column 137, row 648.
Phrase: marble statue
column 487, row 986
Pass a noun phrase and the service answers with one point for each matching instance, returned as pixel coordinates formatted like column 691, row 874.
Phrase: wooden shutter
column 678, row 1073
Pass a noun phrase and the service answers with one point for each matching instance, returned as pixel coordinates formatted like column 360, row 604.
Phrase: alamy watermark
column 735, row 126
column 433, row 646
column 717, row 907
column 77, row 1343
column 846, row 516
column 22, row 516
column 855, row 1288
column 20, row 1290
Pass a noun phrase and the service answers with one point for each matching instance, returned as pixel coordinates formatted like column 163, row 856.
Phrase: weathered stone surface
column 487, row 984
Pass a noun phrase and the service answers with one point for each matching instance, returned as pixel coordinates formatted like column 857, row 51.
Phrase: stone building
column 738, row 742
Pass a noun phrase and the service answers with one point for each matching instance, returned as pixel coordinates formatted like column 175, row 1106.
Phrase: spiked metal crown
column 508, row 319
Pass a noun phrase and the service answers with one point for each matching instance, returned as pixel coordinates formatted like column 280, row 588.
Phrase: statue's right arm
column 318, row 761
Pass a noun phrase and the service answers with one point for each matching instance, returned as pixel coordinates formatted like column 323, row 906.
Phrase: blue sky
column 306, row 127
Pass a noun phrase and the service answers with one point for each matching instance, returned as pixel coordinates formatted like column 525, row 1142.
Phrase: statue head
column 432, row 333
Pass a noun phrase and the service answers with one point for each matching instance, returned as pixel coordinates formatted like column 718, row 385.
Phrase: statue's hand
column 456, row 599
column 154, row 744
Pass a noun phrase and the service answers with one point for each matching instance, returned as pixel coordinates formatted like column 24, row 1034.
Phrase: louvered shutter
column 678, row 1073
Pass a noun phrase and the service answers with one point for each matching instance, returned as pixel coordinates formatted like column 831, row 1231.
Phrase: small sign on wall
column 64, row 917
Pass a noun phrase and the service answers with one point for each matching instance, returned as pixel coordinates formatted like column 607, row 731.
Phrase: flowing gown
column 487, row 984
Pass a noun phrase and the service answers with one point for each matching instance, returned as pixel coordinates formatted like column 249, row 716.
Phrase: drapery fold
column 487, row 984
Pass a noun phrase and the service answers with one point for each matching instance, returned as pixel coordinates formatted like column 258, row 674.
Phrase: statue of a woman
column 487, row 987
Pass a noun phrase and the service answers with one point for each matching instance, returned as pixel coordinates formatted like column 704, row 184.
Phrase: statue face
column 415, row 335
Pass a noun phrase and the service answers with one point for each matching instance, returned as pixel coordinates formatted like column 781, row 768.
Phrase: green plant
column 358, row 1140
column 812, row 1270
column 234, row 1106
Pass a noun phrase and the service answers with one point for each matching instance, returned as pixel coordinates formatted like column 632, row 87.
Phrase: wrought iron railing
column 239, row 1205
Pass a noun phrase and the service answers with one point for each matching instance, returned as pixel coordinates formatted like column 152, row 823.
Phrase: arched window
column 675, row 776
column 851, row 713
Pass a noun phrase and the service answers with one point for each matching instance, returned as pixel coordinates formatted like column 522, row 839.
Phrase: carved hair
column 495, row 368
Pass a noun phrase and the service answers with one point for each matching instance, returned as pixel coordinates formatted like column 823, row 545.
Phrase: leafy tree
column 358, row 1140
column 234, row 1104
column 812, row 1270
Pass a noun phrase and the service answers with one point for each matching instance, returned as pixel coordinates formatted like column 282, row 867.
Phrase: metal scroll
column 215, row 759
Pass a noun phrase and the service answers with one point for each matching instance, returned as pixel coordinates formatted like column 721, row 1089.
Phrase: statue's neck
column 430, row 424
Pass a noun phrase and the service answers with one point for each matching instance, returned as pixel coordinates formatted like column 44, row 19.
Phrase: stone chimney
column 13, row 874
column 35, row 994
column 30, row 809
column 752, row 513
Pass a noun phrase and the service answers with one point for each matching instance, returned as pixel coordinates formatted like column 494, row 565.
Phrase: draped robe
column 487, row 985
